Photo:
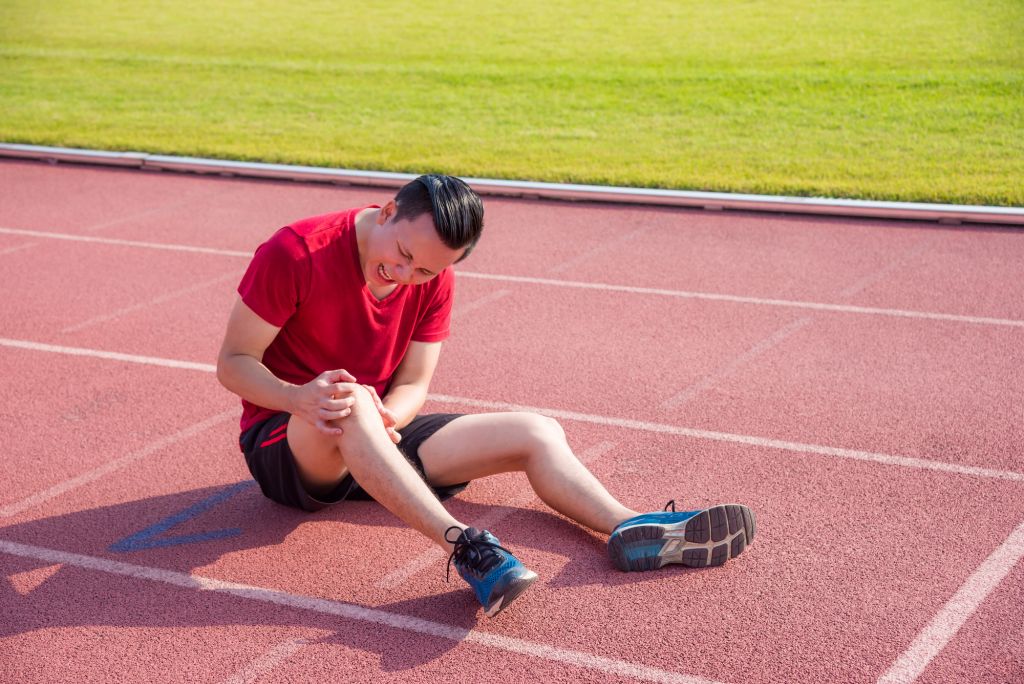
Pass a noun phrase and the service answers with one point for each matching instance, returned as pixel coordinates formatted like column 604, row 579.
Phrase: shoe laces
column 473, row 549
column 672, row 504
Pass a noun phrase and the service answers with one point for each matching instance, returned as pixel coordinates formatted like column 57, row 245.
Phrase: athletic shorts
column 272, row 465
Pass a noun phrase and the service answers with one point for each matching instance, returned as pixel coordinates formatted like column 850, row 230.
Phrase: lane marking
column 799, row 447
column 351, row 611
column 131, row 218
column 711, row 379
column 739, row 299
column 166, row 297
column 948, row 621
column 17, row 248
column 461, row 311
column 782, row 333
column 522, row 498
column 113, row 356
column 871, row 278
column 126, row 243
column 599, row 249
column 604, row 287
column 150, row 537
column 751, row 440
column 266, row 662
column 111, row 466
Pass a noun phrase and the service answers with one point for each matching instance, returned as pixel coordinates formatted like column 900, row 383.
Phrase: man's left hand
column 386, row 414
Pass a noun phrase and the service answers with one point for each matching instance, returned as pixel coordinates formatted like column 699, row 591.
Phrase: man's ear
column 386, row 212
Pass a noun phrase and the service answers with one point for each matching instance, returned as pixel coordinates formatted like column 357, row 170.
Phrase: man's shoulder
column 300, row 239
column 322, row 223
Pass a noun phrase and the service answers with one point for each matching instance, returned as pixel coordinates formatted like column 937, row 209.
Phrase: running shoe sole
column 508, row 587
column 709, row 538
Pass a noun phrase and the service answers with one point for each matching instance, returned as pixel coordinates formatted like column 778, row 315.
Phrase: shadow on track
column 35, row 596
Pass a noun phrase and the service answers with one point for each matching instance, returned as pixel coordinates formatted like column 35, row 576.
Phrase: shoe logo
column 674, row 534
column 672, row 547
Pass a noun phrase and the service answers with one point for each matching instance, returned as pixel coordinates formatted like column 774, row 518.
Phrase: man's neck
column 364, row 222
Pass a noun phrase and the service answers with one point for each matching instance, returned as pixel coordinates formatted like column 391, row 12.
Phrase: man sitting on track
column 336, row 312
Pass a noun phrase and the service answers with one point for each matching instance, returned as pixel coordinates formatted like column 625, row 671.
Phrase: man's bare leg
column 475, row 446
column 366, row 451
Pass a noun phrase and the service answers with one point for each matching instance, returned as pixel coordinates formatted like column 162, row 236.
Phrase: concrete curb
column 943, row 213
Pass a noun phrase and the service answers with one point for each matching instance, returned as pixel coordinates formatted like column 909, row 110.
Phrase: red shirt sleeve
column 434, row 324
column 278, row 277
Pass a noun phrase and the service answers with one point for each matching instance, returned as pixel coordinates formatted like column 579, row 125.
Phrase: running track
column 857, row 383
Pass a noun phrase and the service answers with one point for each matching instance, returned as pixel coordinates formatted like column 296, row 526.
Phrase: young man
column 332, row 344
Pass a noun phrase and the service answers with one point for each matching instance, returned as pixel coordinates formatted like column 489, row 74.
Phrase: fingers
column 333, row 376
column 394, row 435
column 328, row 429
column 337, row 404
column 324, row 414
column 342, row 389
column 376, row 397
column 386, row 414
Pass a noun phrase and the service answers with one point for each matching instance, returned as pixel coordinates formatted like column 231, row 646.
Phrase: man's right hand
column 325, row 398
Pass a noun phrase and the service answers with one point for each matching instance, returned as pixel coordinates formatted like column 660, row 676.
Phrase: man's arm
column 412, row 380
column 240, row 369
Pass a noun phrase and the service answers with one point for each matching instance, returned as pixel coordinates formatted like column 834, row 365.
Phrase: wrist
column 291, row 398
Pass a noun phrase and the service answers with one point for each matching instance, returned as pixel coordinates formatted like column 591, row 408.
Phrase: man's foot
column 696, row 539
column 495, row 574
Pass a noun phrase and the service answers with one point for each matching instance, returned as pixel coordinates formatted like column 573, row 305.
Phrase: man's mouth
column 384, row 275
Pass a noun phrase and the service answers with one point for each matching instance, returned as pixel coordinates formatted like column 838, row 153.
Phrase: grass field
column 917, row 100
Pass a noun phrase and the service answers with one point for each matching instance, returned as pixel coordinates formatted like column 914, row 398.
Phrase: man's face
column 406, row 252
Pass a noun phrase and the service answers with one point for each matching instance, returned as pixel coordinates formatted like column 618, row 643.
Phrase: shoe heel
column 508, row 588
column 637, row 548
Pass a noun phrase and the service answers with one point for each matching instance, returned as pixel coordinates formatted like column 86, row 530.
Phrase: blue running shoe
column 696, row 539
column 495, row 574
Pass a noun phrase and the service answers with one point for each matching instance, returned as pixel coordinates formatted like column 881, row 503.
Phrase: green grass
column 919, row 100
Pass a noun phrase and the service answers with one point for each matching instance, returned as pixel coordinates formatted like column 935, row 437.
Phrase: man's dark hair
column 458, row 211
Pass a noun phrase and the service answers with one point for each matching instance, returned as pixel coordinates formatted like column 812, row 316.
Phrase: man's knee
column 364, row 411
column 541, row 432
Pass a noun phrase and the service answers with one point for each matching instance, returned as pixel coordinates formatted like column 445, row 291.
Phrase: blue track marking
column 150, row 538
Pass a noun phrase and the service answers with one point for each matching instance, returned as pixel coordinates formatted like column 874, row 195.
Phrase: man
column 332, row 344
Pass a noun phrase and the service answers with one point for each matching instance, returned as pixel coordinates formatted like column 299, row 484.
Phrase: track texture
column 677, row 394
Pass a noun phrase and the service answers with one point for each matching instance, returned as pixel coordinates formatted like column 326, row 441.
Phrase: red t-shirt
column 306, row 279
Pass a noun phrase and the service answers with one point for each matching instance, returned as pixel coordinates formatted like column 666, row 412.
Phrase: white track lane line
column 751, row 440
column 113, row 356
column 799, row 447
column 712, row 379
column 118, row 463
column 469, row 307
column 351, row 611
column 266, row 662
column 522, row 497
column 17, row 248
column 166, row 297
column 683, row 294
column 604, row 287
column 125, row 243
column 948, row 621
column 616, row 244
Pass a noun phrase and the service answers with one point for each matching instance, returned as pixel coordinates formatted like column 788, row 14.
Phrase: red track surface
column 857, row 552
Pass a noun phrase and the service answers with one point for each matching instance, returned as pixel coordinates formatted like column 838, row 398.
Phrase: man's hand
column 386, row 414
column 324, row 399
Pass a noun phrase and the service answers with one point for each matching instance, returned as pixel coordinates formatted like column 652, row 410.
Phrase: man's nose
column 403, row 273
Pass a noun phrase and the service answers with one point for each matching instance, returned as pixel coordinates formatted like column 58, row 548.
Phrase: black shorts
column 272, row 465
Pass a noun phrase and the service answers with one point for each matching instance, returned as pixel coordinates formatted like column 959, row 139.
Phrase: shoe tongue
column 471, row 533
